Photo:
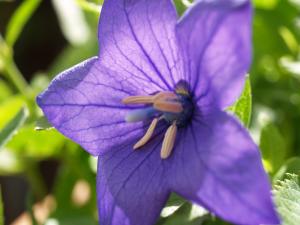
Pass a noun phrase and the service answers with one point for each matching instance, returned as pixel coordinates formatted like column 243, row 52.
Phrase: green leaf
column 9, row 107
column 266, row 4
column 243, row 106
column 287, row 198
column 89, row 6
column 39, row 145
column 11, row 163
column 72, row 21
column 179, row 211
column 187, row 214
column 5, row 91
column 173, row 204
column 42, row 124
column 290, row 166
column 180, row 7
column 11, row 128
column 19, row 19
column 1, row 210
column 272, row 146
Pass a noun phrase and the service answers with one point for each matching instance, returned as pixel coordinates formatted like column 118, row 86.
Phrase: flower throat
column 176, row 108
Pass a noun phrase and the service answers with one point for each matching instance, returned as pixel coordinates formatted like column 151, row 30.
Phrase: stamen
column 148, row 134
column 168, row 106
column 169, row 141
column 165, row 95
column 141, row 99
column 138, row 100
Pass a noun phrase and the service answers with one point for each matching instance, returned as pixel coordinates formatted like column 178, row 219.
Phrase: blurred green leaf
column 12, row 127
column 213, row 220
column 173, row 204
column 272, row 146
column 19, row 19
column 5, row 52
column 72, row 21
column 1, row 209
column 39, row 145
column 72, row 55
column 187, row 214
column 39, row 82
column 42, row 124
column 267, row 4
column 289, row 38
column 243, row 106
column 5, row 91
column 291, row 166
column 89, row 6
column 180, row 7
column 10, row 163
column 287, row 198
column 9, row 108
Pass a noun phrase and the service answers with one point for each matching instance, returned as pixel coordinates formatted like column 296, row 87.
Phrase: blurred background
column 47, row 179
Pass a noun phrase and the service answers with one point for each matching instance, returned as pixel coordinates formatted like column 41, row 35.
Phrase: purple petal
column 131, row 184
column 216, row 40
column 218, row 166
column 84, row 103
column 138, row 37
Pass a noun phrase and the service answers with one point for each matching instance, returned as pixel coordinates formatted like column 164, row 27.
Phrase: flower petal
column 218, row 166
column 138, row 36
column 216, row 39
column 85, row 104
column 131, row 184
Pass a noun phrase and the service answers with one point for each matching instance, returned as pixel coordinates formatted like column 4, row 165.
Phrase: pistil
column 169, row 106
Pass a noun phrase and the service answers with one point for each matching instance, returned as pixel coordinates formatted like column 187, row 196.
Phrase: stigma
column 175, row 108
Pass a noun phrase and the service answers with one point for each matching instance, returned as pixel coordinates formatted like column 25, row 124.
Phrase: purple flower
column 150, row 105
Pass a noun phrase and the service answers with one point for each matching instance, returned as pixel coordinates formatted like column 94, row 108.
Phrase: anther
column 168, row 106
column 169, row 141
column 140, row 99
column 148, row 134
column 165, row 95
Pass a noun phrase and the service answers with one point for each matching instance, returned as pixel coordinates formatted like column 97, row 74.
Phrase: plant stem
column 11, row 71
column 15, row 76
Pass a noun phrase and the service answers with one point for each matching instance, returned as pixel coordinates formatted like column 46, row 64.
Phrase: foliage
column 272, row 146
column 269, row 106
column 287, row 197
column 242, row 108
column 1, row 210
column 11, row 128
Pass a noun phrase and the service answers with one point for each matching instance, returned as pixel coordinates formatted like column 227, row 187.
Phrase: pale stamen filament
column 148, row 134
column 169, row 141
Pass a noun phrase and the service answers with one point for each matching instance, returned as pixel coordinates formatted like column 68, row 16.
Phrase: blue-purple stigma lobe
column 137, row 115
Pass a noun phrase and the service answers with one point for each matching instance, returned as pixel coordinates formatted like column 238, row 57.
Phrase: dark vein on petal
column 227, row 187
column 142, row 48
column 206, row 46
column 159, row 46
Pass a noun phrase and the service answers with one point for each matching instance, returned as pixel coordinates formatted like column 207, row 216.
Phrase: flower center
column 176, row 108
